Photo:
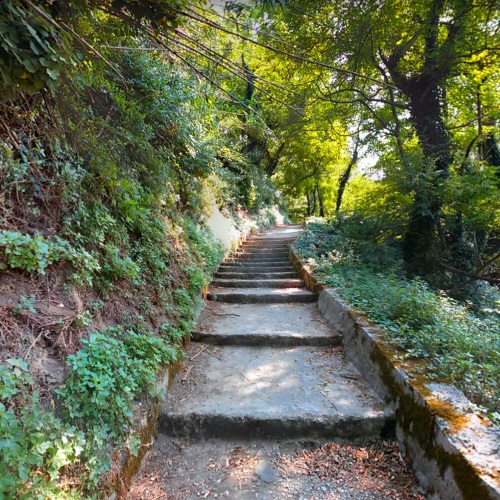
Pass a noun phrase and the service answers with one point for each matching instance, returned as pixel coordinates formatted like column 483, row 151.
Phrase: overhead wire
column 266, row 33
column 243, row 77
column 200, row 73
column 191, row 14
column 235, row 64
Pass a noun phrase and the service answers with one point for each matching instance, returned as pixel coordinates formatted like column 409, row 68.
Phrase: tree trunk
column 344, row 178
column 313, row 207
column 491, row 152
column 320, row 200
column 427, row 117
column 274, row 160
column 250, row 78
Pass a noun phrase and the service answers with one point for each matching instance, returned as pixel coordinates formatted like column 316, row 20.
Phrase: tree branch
column 196, row 17
column 475, row 276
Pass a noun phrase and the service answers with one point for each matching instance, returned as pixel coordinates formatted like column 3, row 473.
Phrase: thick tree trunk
column 427, row 117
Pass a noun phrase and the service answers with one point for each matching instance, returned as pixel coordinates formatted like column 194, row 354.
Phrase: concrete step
column 245, row 392
column 264, row 324
column 278, row 338
column 257, row 269
column 266, row 244
column 227, row 274
column 260, row 256
column 251, row 266
column 260, row 262
column 261, row 295
column 258, row 283
column 262, row 249
column 270, row 241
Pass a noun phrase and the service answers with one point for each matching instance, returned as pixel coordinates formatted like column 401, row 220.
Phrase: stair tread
column 275, row 390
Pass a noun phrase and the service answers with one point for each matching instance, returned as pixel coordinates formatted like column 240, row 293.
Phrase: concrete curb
column 455, row 451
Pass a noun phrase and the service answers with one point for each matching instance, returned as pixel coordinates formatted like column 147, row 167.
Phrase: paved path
column 265, row 374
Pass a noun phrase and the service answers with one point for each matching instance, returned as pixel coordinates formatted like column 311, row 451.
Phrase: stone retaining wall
column 454, row 450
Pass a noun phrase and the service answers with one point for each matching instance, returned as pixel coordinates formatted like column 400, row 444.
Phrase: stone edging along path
column 454, row 450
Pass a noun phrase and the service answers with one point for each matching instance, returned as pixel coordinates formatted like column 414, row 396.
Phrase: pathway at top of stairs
column 265, row 374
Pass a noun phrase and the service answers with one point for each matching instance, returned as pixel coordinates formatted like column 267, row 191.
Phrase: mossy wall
column 453, row 449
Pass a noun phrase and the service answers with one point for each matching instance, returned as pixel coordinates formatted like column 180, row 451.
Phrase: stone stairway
column 263, row 368
column 260, row 272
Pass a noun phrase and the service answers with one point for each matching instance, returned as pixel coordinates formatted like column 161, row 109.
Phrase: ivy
column 113, row 368
column 36, row 253
column 30, row 49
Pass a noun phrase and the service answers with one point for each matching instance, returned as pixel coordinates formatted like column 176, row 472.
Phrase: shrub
column 35, row 253
column 34, row 444
column 112, row 368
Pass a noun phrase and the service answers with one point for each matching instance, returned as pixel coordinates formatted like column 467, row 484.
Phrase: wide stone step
column 270, row 241
column 260, row 256
column 258, row 283
column 241, row 264
column 267, row 243
column 251, row 268
column 279, row 338
column 263, row 249
column 262, row 262
column 261, row 295
column 246, row 392
column 264, row 325
column 226, row 274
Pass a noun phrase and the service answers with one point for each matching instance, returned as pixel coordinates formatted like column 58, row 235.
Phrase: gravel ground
column 177, row 469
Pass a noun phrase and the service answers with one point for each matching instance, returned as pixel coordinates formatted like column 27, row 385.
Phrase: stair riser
column 260, row 256
column 256, row 263
column 266, row 249
column 256, row 269
column 209, row 426
column 264, row 276
column 249, row 264
column 254, row 340
column 269, row 241
column 262, row 299
column 245, row 283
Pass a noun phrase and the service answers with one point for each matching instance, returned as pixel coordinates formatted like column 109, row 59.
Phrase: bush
column 111, row 369
column 35, row 253
column 34, row 444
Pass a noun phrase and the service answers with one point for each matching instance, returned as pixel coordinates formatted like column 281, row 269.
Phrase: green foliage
column 30, row 48
column 461, row 346
column 206, row 250
column 106, row 374
column 112, row 368
column 118, row 160
column 34, row 444
column 35, row 253
column 26, row 304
